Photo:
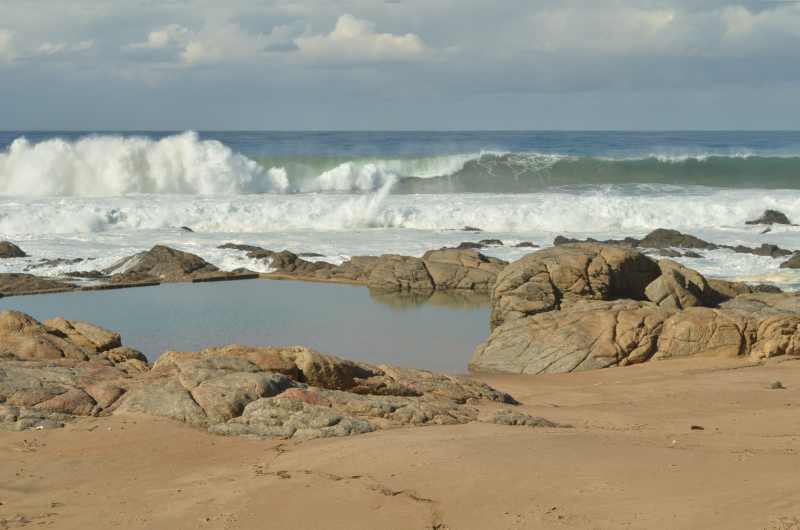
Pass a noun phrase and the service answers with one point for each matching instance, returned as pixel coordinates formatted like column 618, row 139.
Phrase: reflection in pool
column 433, row 331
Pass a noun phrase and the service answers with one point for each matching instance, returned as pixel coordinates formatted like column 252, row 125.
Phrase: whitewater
column 103, row 196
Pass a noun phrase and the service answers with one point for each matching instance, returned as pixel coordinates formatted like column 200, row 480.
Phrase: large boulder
column 10, row 250
column 161, row 263
column 548, row 279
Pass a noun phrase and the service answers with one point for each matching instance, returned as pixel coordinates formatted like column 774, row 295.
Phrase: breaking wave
column 111, row 165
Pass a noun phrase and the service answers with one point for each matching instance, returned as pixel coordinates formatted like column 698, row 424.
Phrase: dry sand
column 632, row 461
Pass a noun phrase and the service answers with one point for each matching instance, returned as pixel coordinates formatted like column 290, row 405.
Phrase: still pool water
column 435, row 333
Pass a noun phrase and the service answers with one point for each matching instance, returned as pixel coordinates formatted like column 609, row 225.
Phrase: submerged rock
column 10, row 250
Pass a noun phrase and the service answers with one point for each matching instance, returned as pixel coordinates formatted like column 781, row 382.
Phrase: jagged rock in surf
column 770, row 217
column 10, row 250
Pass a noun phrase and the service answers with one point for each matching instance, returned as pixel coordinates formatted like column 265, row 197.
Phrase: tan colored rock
column 162, row 263
column 19, row 283
column 462, row 269
column 547, row 279
column 85, row 335
column 583, row 336
column 10, row 250
column 400, row 273
column 678, row 287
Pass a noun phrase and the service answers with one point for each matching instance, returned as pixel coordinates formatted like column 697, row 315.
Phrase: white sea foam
column 115, row 165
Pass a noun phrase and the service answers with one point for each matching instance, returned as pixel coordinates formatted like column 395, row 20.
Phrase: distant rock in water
column 10, row 250
column 773, row 251
column 491, row 242
column 792, row 263
column 310, row 255
column 469, row 244
column 665, row 238
column 186, row 229
column 627, row 242
column 771, row 217
column 471, row 229
column 238, row 246
column 526, row 244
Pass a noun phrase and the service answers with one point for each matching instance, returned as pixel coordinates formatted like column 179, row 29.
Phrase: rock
column 437, row 270
column 773, row 251
column 49, row 263
column 186, row 229
column 471, row 229
column 462, row 269
column 310, row 255
column 547, row 279
column 792, row 263
column 663, row 238
column 627, row 242
column 86, row 275
column 244, row 248
column 586, row 335
column 513, row 417
column 669, row 253
column 526, row 244
column 469, row 244
column 679, row 287
column 52, row 372
column 10, row 250
column 770, row 217
column 703, row 331
column 163, row 263
column 20, row 283
column 491, row 242
column 300, row 393
column 691, row 254
column 286, row 262
column 776, row 385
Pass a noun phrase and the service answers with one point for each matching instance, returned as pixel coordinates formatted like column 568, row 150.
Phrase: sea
column 105, row 195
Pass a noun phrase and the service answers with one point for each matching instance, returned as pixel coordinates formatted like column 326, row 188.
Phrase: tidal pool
column 435, row 332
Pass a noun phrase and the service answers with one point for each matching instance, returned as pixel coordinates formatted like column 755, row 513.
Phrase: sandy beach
column 632, row 460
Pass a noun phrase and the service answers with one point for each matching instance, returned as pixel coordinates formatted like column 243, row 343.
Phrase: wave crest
column 115, row 165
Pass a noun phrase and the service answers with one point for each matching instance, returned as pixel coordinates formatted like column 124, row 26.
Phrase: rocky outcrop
column 160, row 263
column 541, row 326
column 286, row 262
column 21, row 283
column 548, row 279
column 53, row 371
column 445, row 269
column 770, row 217
column 297, row 392
column 664, row 238
column 10, row 250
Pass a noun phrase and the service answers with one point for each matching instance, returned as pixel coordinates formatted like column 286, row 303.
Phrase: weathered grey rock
column 20, row 283
column 547, row 279
column 162, row 263
column 766, row 249
column 679, row 287
column 629, row 242
column 242, row 247
column 10, row 250
column 770, row 217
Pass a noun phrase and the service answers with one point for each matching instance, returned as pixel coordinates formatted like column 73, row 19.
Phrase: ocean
column 104, row 195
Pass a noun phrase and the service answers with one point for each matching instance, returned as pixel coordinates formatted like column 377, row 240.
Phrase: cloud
column 355, row 40
column 49, row 49
column 170, row 35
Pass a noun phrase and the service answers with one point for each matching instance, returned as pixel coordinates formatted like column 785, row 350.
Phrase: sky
column 399, row 64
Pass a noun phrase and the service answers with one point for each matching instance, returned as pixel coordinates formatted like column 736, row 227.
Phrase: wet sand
column 633, row 460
